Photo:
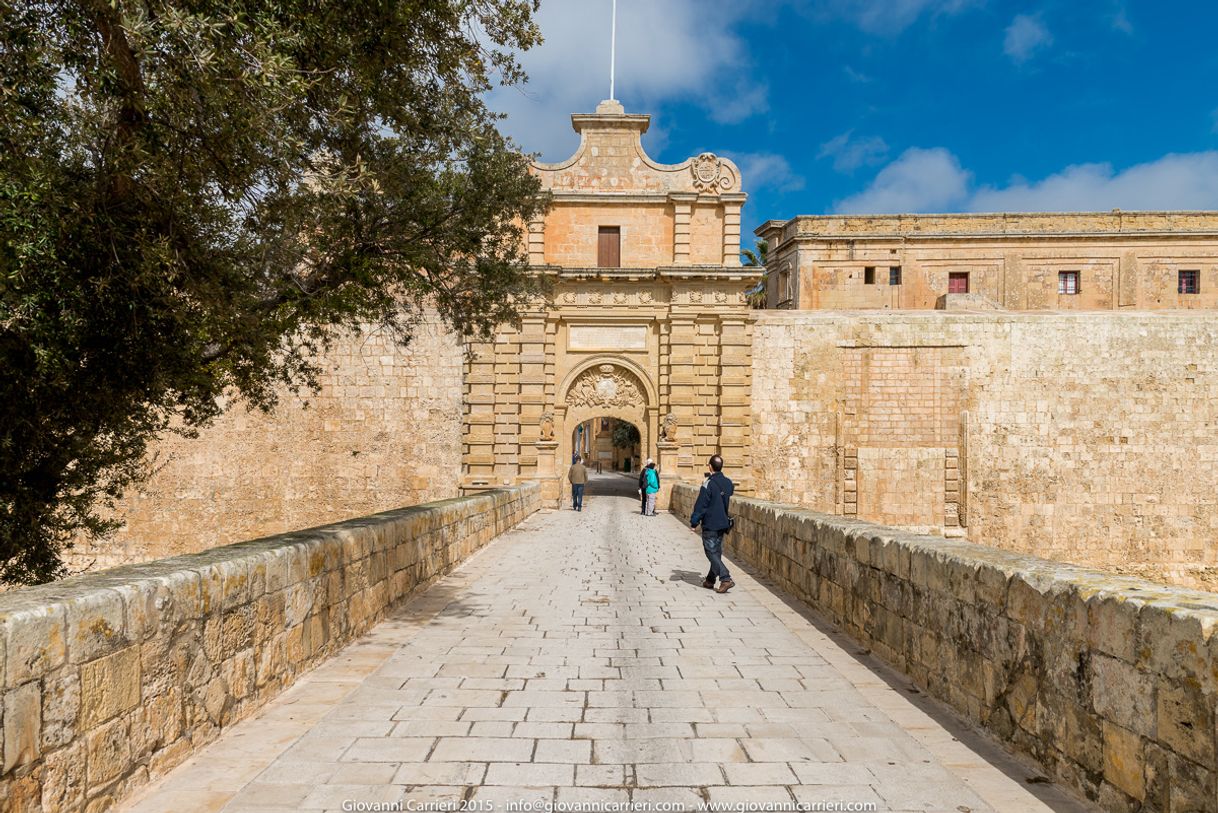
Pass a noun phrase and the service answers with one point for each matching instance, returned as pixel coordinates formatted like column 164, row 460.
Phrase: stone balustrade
column 1108, row 682
column 112, row 677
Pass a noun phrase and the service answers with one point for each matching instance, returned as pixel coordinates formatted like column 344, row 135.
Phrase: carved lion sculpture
column 669, row 430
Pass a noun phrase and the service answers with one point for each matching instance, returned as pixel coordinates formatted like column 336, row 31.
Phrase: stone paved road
column 578, row 659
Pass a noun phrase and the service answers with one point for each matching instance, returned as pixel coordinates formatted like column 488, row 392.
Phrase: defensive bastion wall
column 1109, row 682
column 1081, row 437
column 383, row 431
column 112, row 678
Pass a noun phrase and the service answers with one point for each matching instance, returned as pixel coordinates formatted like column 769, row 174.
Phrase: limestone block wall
column 1109, row 682
column 1086, row 437
column 383, row 431
column 112, row 678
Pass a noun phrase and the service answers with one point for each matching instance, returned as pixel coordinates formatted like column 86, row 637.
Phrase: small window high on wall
column 1190, row 282
column 894, row 275
column 609, row 247
column 957, row 282
column 869, row 275
column 1067, row 282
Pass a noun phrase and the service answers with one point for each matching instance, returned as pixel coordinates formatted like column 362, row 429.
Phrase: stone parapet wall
column 1109, row 682
column 113, row 677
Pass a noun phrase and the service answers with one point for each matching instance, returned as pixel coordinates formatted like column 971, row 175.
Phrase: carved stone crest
column 547, row 426
column 606, row 386
column 709, row 173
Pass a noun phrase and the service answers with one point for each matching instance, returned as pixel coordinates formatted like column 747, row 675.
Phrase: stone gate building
column 648, row 322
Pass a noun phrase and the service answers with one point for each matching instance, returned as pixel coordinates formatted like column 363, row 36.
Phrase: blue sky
column 899, row 105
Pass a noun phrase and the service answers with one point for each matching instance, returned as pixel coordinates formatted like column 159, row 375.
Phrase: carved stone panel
column 606, row 385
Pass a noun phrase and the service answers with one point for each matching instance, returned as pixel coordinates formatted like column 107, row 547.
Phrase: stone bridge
column 484, row 650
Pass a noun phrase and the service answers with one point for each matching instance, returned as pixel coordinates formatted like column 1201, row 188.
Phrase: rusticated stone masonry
column 1109, row 682
column 115, row 677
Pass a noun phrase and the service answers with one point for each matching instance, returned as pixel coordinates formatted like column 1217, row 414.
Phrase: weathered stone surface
column 22, row 726
column 109, row 686
column 1124, row 761
column 182, row 648
column 1044, row 433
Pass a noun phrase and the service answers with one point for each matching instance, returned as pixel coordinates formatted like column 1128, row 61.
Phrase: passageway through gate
column 578, row 659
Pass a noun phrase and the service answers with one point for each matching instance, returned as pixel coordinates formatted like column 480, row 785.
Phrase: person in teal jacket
column 652, row 488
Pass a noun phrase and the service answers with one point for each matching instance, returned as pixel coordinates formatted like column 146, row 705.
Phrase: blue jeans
column 712, row 545
column 577, row 496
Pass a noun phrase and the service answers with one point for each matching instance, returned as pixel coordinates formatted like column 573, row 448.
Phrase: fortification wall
column 112, row 678
column 1109, row 682
column 1087, row 437
column 383, row 431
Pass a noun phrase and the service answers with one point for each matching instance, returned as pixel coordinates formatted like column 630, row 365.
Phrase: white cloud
column 1026, row 35
column 885, row 16
column 919, row 181
column 850, row 153
column 933, row 181
column 1120, row 19
column 675, row 50
column 764, row 169
column 1177, row 181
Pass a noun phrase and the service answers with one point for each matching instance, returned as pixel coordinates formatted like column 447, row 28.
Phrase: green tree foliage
column 625, row 435
column 195, row 196
column 756, row 258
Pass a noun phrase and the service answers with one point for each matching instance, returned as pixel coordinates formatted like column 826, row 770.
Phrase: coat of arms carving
column 710, row 175
column 606, row 386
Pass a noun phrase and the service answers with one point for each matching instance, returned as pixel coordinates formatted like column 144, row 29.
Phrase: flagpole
column 612, row 49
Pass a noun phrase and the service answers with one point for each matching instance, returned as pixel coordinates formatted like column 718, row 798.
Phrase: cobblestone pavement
column 578, row 659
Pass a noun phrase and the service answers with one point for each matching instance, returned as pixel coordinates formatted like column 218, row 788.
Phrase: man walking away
column 711, row 512
column 643, row 487
column 578, row 475
column 652, row 488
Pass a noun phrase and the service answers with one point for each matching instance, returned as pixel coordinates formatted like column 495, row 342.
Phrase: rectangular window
column 894, row 275
column 1067, row 282
column 869, row 275
column 1190, row 282
column 609, row 247
column 957, row 282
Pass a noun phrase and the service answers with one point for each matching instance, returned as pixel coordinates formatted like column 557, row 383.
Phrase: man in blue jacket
column 711, row 512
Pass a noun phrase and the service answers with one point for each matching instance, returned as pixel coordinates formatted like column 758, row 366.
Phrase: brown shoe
column 709, row 584
column 725, row 585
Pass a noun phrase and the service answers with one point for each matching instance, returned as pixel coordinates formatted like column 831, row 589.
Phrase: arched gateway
column 648, row 321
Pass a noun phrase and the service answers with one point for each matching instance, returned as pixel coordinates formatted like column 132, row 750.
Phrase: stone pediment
column 611, row 159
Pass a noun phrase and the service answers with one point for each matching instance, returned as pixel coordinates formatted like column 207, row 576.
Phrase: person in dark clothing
column 711, row 512
column 643, row 486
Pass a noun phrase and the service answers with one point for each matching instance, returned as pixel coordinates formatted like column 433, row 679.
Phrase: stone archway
column 604, row 388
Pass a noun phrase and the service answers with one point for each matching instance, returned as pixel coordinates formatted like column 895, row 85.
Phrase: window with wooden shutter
column 1190, row 282
column 957, row 282
column 1067, row 282
column 609, row 247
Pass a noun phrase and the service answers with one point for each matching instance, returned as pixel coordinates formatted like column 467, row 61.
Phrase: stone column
column 735, row 385
column 683, row 207
column 532, row 392
column 478, row 430
column 684, row 399
column 668, row 461
column 547, row 471
column 731, row 228
column 537, row 241
column 507, row 406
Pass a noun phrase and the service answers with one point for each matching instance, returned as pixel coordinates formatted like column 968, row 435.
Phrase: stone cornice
column 1007, row 226
column 666, row 272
